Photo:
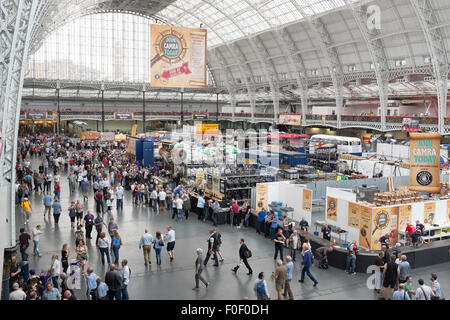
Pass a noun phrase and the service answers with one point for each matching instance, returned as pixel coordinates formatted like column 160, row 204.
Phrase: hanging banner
column 405, row 213
column 353, row 215
column 207, row 129
column 123, row 115
column 107, row 136
column 429, row 213
column 410, row 125
column 331, row 208
column 200, row 116
column 424, row 159
column 262, row 197
column 178, row 57
column 365, row 227
column 307, row 200
column 324, row 118
column 134, row 130
column 90, row 135
column 290, row 119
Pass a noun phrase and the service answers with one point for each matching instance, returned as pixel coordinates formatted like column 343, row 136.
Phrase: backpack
column 219, row 239
column 260, row 288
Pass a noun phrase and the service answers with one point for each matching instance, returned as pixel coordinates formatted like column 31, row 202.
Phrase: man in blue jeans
column 351, row 258
column 260, row 221
column 307, row 263
column 274, row 225
column 125, row 273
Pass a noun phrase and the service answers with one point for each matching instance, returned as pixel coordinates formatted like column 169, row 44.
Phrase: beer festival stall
column 426, row 200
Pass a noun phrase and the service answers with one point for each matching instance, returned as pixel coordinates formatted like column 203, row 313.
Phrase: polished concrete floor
column 174, row 280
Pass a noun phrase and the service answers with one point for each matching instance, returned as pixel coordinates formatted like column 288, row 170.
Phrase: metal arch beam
column 14, row 38
column 377, row 54
column 230, row 79
column 334, row 63
column 300, row 71
column 435, row 43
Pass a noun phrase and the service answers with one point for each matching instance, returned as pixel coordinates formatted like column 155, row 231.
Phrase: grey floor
column 174, row 280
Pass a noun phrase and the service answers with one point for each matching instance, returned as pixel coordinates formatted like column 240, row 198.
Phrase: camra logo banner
column 178, row 57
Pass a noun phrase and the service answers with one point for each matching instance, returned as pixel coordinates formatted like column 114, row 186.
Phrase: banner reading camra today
column 425, row 162
column 178, row 57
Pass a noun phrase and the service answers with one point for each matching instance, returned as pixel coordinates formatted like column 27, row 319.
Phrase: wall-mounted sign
column 290, row 119
column 36, row 116
column 307, row 200
column 424, row 159
column 207, row 129
column 353, row 215
column 200, row 116
column 410, row 125
column 178, row 57
column 123, row 115
column 331, row 208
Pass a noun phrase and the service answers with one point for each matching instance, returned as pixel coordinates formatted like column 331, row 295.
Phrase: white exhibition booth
column 367, row 224
column 290, row 195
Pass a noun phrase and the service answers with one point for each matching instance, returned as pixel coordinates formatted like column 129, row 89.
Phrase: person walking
column 79, row 208
column 114, row 282
column 72, row 214
column 280, row 276
column 307, row 263
column 36, row 237
column 260, row 288
column 55, row 270
column 424, row 292
column 146, row 245
column 287, row 284
column 186, row 204
column 390, row 276
column 244, row 254
column 198, row 270
column 125, row 273
column 119, row 197
column 24, row 241
column 294, row 243
column 88, row 223
column 200, row 206
column 116, row 243
column 112, row 226
column 158, row 244
column 48, row 200
column 85, row 189
column 170, row 239
column 212, row 248
column 103, row 245
column 279, row 240
column 91, row 283
column 56, row 210
column 26, row 206
column 65, row 257
column 179, row 206
column 99, row 223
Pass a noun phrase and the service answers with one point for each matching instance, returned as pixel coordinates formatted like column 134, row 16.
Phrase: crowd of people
column 104, row 168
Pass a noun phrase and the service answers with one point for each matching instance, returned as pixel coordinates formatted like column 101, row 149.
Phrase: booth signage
column 90, row 135
column 307, row 200
column 425, row 162
column 36, row 116
column 384, row 222
column 290, row 119
column 331, row 208
column 107, row 136
column 405, row 213
column 429, row 212
column 365, row 227
column 353, row 215
column 447, row 217
column 262, row 196
column 179, row 57
column 123, row 115
column 207, row 129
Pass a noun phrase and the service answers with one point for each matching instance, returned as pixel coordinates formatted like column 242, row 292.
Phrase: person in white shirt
column 170, row 239
column 179, row 206
column 424, row 292
column 125, row 273
column 36, row 237
column 17, row 293
column 55, row 270
column 162, row 200
column 119, row 197
column 154, row 197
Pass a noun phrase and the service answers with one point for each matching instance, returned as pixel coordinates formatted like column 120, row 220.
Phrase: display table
column 403, row 237
column 222, row 214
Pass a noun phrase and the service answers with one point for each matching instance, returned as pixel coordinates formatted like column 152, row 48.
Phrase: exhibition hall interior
column 202, row 150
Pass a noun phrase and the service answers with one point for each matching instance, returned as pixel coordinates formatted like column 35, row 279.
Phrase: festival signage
column 90, row 135
column 410, row 125
column 207, row 129
column 405, row 213
column 425, row 162
column 107, row 136
column 324, row 118
column 36, row 116
column 429, row 212
column 262, row 195
column 447, row 217
column 331, row 208
column 290, row 119
column 134, row 130
column 365, row 227
column 385, row 221
column 307, row 200
column 178, row 57
column 353, row 215
column 123, row 115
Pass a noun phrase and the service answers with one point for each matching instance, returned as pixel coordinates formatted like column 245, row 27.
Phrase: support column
column 217, row 108
column 103, row 109
column 143, row 110
column 182, row 111
column 59, row 111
